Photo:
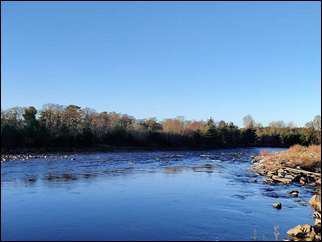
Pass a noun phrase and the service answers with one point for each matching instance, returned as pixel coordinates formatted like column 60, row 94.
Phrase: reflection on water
column 186, row 195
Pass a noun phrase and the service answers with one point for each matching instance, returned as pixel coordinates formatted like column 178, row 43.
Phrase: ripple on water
column 206, row 194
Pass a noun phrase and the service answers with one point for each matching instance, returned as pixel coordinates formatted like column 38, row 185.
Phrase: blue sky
column 162, row 59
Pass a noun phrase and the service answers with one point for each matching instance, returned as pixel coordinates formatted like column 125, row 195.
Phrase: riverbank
column 301, row 165
column 307, row 232
column 297, row 164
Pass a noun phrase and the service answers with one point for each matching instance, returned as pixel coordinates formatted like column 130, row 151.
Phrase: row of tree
column 72, row 126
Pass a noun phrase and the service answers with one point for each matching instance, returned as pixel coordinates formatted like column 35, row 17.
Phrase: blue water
column 195, row 195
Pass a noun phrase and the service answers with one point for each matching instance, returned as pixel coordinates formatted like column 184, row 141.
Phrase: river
column 168, row 195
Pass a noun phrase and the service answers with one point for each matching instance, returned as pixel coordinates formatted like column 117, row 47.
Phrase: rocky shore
column 282, row 168
column 287, row 175
column 307, row 232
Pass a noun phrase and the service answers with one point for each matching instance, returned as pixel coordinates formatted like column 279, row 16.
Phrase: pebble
column 277, row 205
column 294, row 193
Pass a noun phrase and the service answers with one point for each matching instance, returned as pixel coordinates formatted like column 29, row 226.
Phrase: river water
column 181, row 195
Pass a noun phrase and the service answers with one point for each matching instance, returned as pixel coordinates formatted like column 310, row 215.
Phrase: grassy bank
column 297, row 156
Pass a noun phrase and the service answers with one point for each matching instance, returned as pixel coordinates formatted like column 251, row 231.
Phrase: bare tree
column 277, row 124
column 315, row 123
column 291, row 125
column 249, row 122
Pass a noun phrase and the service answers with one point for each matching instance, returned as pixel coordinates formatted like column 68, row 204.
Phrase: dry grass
column 264, row 152
column 308, row 158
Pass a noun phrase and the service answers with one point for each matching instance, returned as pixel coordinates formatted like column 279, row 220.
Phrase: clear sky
column 164, row 59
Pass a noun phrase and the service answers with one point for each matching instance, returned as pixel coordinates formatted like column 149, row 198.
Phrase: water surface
column 182, row 195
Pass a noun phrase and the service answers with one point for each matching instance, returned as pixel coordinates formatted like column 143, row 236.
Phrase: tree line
column 57, row 126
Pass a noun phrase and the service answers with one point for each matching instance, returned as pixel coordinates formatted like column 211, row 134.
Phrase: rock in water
column 270, row 173
column 268, row 180
column 253, row 180
column 294, row 193
column 289, row 176
column 303, row 232
column 303, row 180
column 317, row 221
column 280, row 173
column 315, row 202
column 282, row 180
column 277, row 205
